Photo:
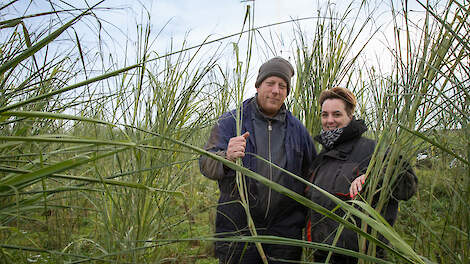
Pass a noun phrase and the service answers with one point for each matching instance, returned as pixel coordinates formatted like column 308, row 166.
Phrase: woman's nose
column 330, row 119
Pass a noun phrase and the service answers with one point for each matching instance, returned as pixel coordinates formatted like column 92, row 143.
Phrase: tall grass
column 425, row 108
column 328, row 57
column 125, row 181
column 101, row 167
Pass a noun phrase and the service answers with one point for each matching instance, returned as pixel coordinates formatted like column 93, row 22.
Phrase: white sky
column 195, row 20
column 206, row 17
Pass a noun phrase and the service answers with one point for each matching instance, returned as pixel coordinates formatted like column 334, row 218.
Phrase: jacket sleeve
column 407, row 183
column 217, row 143
column 310, row 156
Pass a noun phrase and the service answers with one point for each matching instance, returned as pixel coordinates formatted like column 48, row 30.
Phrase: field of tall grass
column 98, row 150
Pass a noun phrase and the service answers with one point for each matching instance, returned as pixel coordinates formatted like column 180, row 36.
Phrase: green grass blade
column 42, row 43
column 68, row 88
column 65, row 139
column 448, row 28
column 434, row 143
column 52, row 252
column 54, row 116
column 7, row 183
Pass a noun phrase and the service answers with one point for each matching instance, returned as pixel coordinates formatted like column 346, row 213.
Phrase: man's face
column 271, row 95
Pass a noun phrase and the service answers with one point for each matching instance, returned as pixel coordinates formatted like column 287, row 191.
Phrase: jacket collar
column 353, row 130
column 342, row 151
column 249, row 110
column 345, row 144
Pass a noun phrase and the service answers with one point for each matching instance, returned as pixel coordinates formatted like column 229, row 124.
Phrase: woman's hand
column 356, row 186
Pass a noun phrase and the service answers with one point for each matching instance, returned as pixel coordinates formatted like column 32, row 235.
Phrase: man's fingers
column 233, row 154
column 236, row 147
column 240, row 140
column 246, row 134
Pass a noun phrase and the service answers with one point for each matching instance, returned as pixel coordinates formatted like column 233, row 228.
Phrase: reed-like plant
column 110, row 156
column 328, row 58
column 50, row 159
column 425, row 86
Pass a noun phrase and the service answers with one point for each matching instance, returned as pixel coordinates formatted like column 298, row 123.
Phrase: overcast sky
column 205, row 17
column 196, row 20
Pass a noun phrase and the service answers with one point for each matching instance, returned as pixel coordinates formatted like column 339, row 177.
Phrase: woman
column 339, row 169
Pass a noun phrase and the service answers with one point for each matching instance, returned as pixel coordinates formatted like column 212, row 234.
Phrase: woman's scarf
column 334, row 137
column 329, row 137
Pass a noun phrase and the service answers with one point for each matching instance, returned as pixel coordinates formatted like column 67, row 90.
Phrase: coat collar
column 352, row 131
column 342, row 151
column 249, row 111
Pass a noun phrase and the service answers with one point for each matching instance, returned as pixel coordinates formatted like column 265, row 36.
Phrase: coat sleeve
column 217, row 143
column 309, row 157
column 407, row 183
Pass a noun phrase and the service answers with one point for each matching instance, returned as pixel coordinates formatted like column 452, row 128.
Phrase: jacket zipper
column 270, row 128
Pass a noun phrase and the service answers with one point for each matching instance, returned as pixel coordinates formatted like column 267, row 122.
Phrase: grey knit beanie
column 276, row 66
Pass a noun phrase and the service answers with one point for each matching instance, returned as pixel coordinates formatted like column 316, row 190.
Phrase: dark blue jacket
column 289, row 217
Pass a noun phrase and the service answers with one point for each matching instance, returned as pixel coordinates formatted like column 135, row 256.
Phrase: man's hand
column 236, row 147
column 356, row 186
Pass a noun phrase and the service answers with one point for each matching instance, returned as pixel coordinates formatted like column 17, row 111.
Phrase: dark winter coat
column 334, row 169
column 288, row 217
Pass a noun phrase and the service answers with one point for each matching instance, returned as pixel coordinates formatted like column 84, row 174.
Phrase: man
column 272, row 132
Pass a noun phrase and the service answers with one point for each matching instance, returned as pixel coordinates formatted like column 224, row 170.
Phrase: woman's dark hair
column 340, row 93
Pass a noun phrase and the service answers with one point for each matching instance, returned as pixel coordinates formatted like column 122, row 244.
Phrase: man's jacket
column 288, row 218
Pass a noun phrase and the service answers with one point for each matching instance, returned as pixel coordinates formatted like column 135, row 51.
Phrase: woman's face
column 333, row 114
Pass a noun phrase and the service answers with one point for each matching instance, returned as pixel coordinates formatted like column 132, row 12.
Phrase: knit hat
column 276, row 66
